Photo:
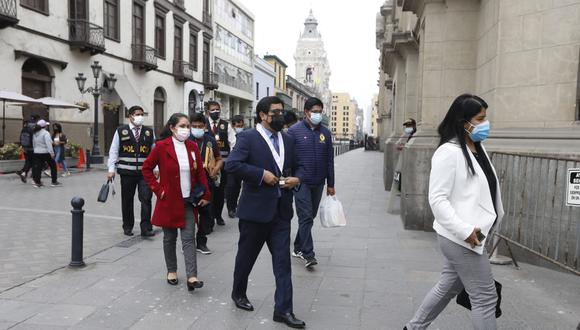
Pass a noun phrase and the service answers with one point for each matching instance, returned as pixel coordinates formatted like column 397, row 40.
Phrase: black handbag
column 463, row 299
column 195, row 195
column 104, row 193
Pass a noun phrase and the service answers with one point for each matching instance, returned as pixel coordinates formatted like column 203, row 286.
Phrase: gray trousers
column 187, row 241
column 463, row 268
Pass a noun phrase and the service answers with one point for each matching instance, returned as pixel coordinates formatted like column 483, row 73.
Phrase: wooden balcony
column 144, row 57
column 86, row 36
column 8, row 10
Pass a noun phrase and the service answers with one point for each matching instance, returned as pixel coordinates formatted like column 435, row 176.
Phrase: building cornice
column 417, row 6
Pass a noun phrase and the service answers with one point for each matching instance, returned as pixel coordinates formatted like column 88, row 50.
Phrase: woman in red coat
column 181, row 173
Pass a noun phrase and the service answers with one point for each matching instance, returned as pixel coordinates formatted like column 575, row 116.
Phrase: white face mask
column 239, row 130
column 138, row 120
column 197, row 132
column 182, row 134
column 409, row 130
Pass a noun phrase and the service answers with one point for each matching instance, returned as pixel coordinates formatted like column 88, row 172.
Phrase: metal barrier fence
column 340, row 149
column 536, row 216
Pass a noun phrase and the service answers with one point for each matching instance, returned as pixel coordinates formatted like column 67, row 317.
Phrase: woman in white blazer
column 465, row 199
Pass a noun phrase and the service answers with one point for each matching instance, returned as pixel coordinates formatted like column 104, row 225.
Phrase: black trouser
column 28, row 161
column 128, row 185
column 218, row 197
column 39, row 161
column 276, row 235
column 205, row 224
column 233, row 187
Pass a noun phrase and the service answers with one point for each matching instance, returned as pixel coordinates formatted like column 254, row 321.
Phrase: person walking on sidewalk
column 234, row 183
column 59, row 141
column 316, row 154
column 26, row 135
column 465, row 198
column 265, row 159
column 212, row 164
column 43, row 153
column 225, row 137
column 131, row 145
column 182, row 181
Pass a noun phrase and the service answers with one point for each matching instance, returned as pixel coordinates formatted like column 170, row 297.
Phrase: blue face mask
column 315, row 118
column 197, row 132
column 239, row 130
column 480, row 132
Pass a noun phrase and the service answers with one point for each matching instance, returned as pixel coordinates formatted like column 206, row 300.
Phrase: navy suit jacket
column 251, row 155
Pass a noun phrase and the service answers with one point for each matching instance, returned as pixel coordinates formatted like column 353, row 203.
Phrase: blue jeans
column 307, row 200
column 59, row 157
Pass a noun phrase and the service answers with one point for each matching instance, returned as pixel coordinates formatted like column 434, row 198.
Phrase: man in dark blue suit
column 265, row 159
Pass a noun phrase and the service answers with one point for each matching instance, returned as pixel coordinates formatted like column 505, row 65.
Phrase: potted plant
column 9, row 155
column 71, row 154
column 113, row 107
column 83, row 104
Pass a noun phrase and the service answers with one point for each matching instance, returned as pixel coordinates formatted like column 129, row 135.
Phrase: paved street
column 372, row 274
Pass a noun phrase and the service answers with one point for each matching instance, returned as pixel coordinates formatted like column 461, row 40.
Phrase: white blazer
column 459, row 200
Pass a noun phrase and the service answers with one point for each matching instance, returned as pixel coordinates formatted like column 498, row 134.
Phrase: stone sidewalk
column 372, row 274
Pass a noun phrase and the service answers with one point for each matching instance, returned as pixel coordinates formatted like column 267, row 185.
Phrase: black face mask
column 277, row 123
column 214, row 115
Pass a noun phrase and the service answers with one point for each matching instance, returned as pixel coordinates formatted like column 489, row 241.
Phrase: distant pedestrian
column 225, row 136
column 181, row 175
column 465, row 198
column 212, row 164
column 43, row 154
column 409, row 129
column 26, row 136
column 59, row 140
column 234, row 183
column 290, row 118
column 315, row 152
column 131, row 145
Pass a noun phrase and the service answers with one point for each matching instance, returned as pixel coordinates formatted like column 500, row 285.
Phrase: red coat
column 169, row 210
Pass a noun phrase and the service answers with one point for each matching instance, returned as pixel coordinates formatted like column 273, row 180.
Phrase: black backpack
column 26, row 138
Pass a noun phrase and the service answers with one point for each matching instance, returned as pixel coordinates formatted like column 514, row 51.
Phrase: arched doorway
column 158, row 110
column 36, row 83
column 192, row 103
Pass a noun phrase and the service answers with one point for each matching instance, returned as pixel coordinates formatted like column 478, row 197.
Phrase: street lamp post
column 96, row 90
column 201, row 94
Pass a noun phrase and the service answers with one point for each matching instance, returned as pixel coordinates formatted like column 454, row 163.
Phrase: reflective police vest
column 132, row 153
column 221, row 136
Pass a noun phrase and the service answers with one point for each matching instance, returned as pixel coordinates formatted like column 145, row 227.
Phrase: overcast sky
column 348, row 32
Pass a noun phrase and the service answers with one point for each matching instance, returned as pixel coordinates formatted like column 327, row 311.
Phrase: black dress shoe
column 232, row 214
column 290, row 320
column 220, row 221
column 172, row 281
column 128, row 232
column 194, row 285
column 242, row 303
column 148, row 233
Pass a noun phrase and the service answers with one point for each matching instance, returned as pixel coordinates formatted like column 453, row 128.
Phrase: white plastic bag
column 331, row 213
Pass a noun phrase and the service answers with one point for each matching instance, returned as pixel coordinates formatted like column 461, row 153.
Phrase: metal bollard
column 88, row 158
column 77, row 232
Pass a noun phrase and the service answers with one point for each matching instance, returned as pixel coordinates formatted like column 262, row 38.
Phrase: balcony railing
column 8, row 15
column 86, row 36
column 144, row 56
column 179, row 3
column 210, row 79
column 207, row 18
column 183, row 70
column 234, row 82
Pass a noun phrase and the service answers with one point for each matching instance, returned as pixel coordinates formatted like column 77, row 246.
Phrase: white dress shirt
column 184, row 173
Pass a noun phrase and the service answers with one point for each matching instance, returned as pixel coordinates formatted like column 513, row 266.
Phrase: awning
column 127, row 93
column 51, row 102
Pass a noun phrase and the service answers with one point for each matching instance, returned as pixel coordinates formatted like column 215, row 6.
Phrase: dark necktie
column 137, row 133
column 274, row 139
column 214, row 127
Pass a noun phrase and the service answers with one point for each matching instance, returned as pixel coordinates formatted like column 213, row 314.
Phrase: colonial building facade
column 234, row 57
column 264, row 77
column 280, row 79
column 299, row 93
column 343, row 112
column 312, row 67
column 521, row 56
column 159, row 51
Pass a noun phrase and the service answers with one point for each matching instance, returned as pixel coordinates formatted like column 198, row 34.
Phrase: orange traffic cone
column 21, row 155
column 82, row 161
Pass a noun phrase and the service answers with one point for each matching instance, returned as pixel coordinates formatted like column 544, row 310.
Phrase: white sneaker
column 65, row 174
column 297, row 254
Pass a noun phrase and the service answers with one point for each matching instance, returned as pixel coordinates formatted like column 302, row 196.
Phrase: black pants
column 205, row 225
column 39, row 161
column 128, row 185
column 28, row 162
column 276, row 235
column 233, row 187
column 218, row 197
